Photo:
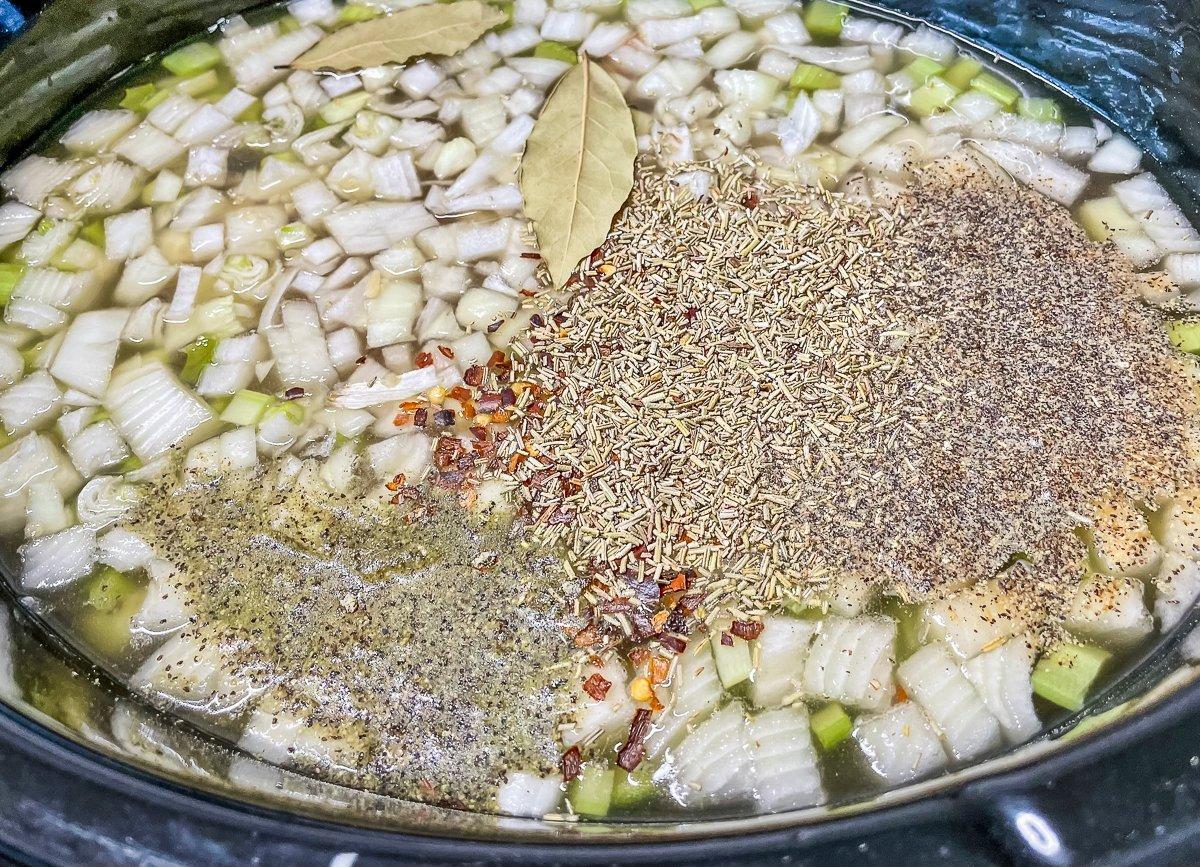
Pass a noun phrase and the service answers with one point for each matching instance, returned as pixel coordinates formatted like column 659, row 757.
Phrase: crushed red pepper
column 597, row 686
column 630, row 755
column 571, row 764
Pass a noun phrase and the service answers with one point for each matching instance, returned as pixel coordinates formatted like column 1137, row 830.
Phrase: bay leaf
column 439, row 28
column 577, row 170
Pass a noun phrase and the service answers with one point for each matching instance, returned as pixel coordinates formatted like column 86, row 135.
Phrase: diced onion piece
column 16, row 221
column 1001, row 676
column 375, row 226
column 32, row 403
column 128, row 235
column 900, row 743
column 56, row 560
column 1110, row 611
column 935, row 682
column 89, row 350
column 1117, row 156
column 851, row 661
column 1042, row 172
column 154, row 410
column 97, row 447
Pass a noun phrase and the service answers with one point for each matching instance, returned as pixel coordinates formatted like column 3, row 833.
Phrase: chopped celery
column 155, row 98
column 591, row 792
column 192, row 59
column 9, row 275
column 733, row 660
column 58, row 691
column 293, row 410
column 93, row 232
column 112, row 600
column 964, row 69
column 288, row 24
column 697, row 5
column 100, row 414
column 908, row 626
column 556, row 51
column 635, row 789
column 803, row 610
column 135, row 97
column 131, row 463
column 1185, row 335
column 507, row 7
column 1039, row 108
column 830, row 725
column 997, row 88
column 1066, row 674
column 200, row 85
column 344, row 107
column 247, row 407
column 1102, row 218
column 253, row 112
column 824, row 19
column 922, row 69
column 354, row 14
column 44, row 226
column 199, row 355
column 931, row 97
column 810, row 77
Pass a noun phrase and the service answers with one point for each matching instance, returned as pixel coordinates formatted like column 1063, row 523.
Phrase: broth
column 304, row 443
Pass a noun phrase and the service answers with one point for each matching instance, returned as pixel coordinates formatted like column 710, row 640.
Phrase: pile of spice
column 353, row 615
column 763, row 390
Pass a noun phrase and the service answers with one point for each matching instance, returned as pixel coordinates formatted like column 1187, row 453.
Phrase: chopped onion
column 32, row 403
column 786, row 28
column 107, row 187
column 801, row 126
column 56, row 560
column 927, row 42
column 375, row 226
column 97, row 447
column 848, row 58
column 150, row 148
column 16, row 221
column 855, row 140
column 89, row 350
column 388, row 389
column 571, row 27
column 1163, row 220
column 128, row 235
column 105, row 500
column 1117, row 156
column 298, row 345
column 34, row 178
column 1042, row 172
column 45, row 511
column 393, row 312
column 124, row 550
column 153, row 410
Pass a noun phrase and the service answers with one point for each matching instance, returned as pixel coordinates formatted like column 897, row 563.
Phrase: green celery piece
column 1039, row 108
column 931, row 97
column 922, row 69
column 246, row 407
column 293, row 410
column 113, row 598
column 631, row 790
column 199, row 355
column 44, row 226
column 192, row 59
column 135, row 97
column 810, row 77
column 9, row 275
column 57, row 690
column 1185, row 335
column 288, row 24
column 961, row 72
column 508, row 7
column 830, row 725
column 1104, row 217
column 591, row 792
column 131, row 463
column 797, row 608
column 733, row 661
column 997, row 88
column 354, row 14
column 107, row 588
column 824, row 19
column 551, row 50
column 253, row 112
column 1066, row 674
column 697, row 5
column 93, row 233
column 155, row 98
column 908, row 625
column 204, row 84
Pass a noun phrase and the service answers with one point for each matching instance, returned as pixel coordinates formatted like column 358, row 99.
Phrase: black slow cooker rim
column 971, row 800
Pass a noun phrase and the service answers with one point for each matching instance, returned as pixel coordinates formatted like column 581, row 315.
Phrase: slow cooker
column 1118, row 783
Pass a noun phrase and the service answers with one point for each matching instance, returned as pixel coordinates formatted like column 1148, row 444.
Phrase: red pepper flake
column 659, row 666
column 497, row 357
column 294, row 392
column 446, row 351
column 474, row 376
column 747, row 629
column 586, row 637
column 421, row 417
column 690, row 603
column 630, row 755
column 638, row 656
column 537, row 256
column 493, row 327
column 423, row 359
column 480, row 433
column 489, row 401
column 659, row 618
column 536, row 320
column 444, row 417
column 401, row 419
column 459, row 393
column 678, row 583
column 726, row 639
column 750, row 200
column 508, row 397
column 597, row 686
column 396, row 483
column 571, row 764
column 362, row 359
column 673, row 643
column 515, row 461
column 500, row 418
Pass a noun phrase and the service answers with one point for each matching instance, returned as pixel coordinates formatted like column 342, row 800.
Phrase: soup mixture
column 597, row 409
